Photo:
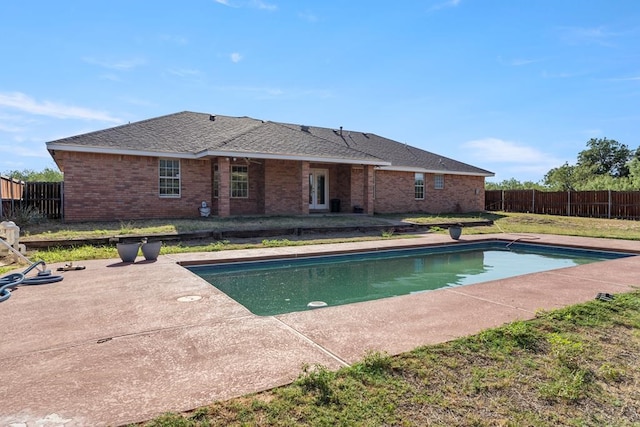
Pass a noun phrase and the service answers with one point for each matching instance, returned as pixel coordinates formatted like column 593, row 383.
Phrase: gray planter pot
column 151, row 250
column 455, row 232
column 128, row 251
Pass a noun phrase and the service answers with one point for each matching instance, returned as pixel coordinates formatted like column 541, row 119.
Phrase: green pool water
column 282, row 286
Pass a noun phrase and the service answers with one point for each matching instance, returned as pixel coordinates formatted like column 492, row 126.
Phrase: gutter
column 52, row 147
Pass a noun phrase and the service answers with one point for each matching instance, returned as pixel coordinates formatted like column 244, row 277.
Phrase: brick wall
column 340, row 187
column 283, row 187
column 395, row 193
column 357, row 185
column 114, row 187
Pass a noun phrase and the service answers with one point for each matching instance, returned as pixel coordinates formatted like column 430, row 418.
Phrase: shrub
column 25, row 215
column 318, row 379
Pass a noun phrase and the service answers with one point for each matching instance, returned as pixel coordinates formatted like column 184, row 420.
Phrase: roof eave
column 117, row 151
column 296, row 157
column 435, row 171
column 52, row 146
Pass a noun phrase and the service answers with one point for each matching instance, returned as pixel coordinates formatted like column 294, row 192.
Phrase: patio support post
column 304, row 187
column 368, row 189
column 224, row 194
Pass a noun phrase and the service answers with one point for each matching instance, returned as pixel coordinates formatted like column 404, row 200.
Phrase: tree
column 561, row 178
column 606, row 157
column 568, row 177
column 46, row 175
column 513, row 184
column 634, row 172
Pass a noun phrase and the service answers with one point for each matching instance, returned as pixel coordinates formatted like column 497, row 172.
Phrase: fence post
column 13, row 206
column 533, row 201
column 568, row 202
column 502, row 201
column 609, row 207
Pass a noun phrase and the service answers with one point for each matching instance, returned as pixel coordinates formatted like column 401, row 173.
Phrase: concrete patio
column 119, row 343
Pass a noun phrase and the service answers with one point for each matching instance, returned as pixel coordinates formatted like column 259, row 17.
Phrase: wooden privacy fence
column 10, row 194
column 45, row 198
column 594, row 204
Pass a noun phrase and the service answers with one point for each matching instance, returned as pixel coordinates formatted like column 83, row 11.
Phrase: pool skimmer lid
column 190, row 298
column 317, row 304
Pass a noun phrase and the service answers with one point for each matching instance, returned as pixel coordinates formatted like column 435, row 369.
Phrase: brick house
column 167, row 166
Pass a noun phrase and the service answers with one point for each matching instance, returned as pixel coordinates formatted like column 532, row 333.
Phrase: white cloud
column 444, row 5
column 255, row 4
column 626, row 79
column 498, row 150
column 510, row 156
column 235, row 57
column 122, row 64
column 259, row 4
column 22, row 102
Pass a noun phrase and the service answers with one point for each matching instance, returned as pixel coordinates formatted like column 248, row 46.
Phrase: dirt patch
column 308, row 236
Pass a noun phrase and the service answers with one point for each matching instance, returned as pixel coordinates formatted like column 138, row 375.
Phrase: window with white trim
column 438, row 182
column 169, row 178
column 419, row 186
column 239, row 181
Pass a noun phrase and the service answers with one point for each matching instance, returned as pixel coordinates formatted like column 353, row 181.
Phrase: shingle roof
column 396, row 153
column 184, row 132
column 199, row 134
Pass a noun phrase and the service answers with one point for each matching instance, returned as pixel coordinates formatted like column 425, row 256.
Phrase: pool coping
column 265, row 304
column 114, row 344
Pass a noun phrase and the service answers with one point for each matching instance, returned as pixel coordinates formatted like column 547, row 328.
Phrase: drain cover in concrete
column 190, row 298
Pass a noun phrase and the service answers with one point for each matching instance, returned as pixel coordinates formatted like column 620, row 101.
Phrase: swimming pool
column 273, row 287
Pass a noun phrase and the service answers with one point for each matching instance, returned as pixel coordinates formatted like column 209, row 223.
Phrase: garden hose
column 13, row 280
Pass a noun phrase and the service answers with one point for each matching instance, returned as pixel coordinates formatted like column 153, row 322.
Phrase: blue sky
column 515, row 87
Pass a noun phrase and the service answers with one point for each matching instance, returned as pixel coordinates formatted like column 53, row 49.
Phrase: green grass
column 569, row 226
column 508, row 222
column 576, row 366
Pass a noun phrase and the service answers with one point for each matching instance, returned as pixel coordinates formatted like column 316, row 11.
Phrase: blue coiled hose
column 13, row 280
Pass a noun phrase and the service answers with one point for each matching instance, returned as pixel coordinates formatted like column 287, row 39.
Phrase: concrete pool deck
column 119, row 343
